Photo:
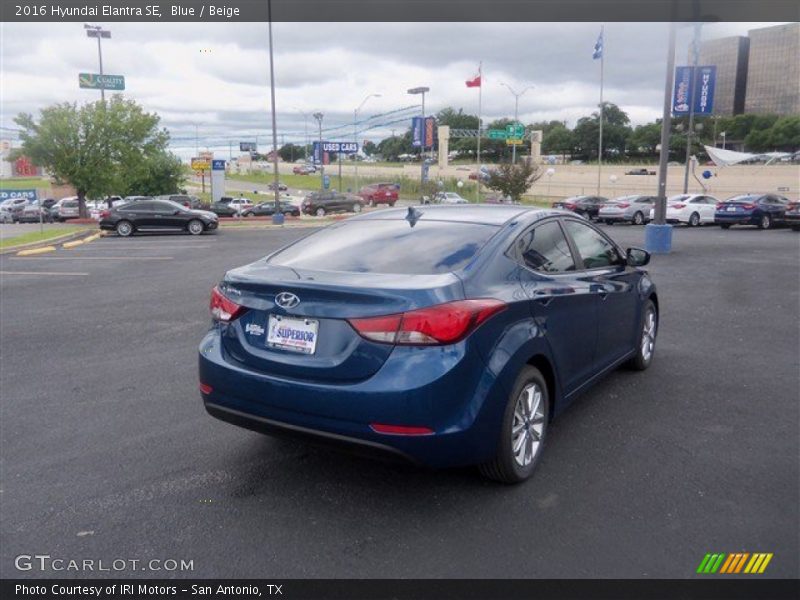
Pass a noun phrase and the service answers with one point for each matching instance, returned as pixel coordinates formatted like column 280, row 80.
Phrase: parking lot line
column 64, row 273
column 91, row 258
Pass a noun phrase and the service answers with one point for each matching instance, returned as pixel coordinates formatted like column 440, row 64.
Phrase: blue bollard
column 658, row 238
column 278, row 219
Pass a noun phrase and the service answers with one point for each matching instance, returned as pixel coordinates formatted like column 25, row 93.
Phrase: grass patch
column 23, row 183
column 38, row 236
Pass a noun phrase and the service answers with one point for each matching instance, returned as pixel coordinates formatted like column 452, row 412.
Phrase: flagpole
column 480, row 92
column 600, row 141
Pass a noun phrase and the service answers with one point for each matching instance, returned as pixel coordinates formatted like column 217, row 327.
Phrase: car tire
column 320, row 212
column 195, row 227
column 638, row 218
column 646, row 340
column 726, row 226
column 357, row 208
column 528, row 407
column 765, row 222
column 124, row 228
column 391, row 204
column 609, row 222
column 694, row 220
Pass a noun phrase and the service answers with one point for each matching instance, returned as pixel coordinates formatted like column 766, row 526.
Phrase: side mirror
column 636, row 257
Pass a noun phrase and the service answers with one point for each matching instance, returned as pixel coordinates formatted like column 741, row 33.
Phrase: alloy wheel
column 648, row 335
column 528, row 424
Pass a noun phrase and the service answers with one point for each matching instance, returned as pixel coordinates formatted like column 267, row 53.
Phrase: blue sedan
column 763, row 211
column 447, row 335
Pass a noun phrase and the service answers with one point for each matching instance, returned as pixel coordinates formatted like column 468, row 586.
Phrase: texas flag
column 475, row 81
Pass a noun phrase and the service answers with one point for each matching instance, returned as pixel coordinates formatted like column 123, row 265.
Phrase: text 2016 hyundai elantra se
column 449, row 335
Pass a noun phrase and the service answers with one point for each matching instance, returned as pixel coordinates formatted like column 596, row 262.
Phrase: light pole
column 95, row 31
column 723, row 135
column 414, row 91
column 658, row 235
column 277, row 216
column 690, row 129
column 516, row 116
column 318, row 116
column 355, row 133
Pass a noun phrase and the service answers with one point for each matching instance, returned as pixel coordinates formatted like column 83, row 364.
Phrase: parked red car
column 380, row 193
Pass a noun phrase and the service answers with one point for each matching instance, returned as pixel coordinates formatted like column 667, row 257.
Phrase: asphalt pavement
column 108, row 454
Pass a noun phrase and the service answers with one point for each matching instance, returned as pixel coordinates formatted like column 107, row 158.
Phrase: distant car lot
column 700, row 453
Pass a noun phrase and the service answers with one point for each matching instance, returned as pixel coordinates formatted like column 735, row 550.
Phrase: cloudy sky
column 210, row 80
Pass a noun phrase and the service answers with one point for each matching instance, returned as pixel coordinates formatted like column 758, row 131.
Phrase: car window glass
column 373, row 247
column 595, row 250
column 545, row 248
column 142, row 206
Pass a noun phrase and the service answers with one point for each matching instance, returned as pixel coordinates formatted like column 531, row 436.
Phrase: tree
column 456, row 119
column 644, row 139
column 289, row 152
column 514, row 180
column 370, row 148
column 615, row 132
column 557, row 140
column 101, row 148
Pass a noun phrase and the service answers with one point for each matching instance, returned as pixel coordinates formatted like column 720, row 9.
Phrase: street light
column 723, row 135
column 318, row 116
column 415, row 91
column 95, row 31
column 516, row 113
column 355, row 131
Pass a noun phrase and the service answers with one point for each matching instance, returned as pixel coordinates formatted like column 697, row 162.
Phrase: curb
column 33, row 251
column 56, row 240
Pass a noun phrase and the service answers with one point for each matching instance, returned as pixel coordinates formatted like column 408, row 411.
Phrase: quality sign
column 95, row 81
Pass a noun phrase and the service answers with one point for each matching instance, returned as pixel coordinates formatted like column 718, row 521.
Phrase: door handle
column 603, row 294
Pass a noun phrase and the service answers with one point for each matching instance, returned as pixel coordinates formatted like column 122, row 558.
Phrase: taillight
column 678, row 206
column 104, row 214
column 441, row 324
column 623, row 205
column 570, row 206
column 720, row 205
column 186, row 204
column 400, row 429
column 223, row 309
column 748, row 206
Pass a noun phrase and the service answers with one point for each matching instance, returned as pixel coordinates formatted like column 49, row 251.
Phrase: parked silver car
column 627, row 209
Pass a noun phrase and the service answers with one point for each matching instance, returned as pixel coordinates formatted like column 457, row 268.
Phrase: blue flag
column 598, row 47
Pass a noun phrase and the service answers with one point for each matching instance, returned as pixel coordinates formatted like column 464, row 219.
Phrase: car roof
column 486, row 214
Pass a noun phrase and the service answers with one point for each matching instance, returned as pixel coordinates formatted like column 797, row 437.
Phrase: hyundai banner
column 697, row 89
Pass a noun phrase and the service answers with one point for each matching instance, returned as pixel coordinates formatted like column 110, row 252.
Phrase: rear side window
column 374, row 246
column 544, row 248
column 595, row 250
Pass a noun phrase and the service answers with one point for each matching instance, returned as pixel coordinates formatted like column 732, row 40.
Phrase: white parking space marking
column 64, row 273
column 91, row 258
column 145, row 246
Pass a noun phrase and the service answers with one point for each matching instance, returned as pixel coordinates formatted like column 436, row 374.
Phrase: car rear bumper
column 446, row 389
column 616, row 217
column 735, row 219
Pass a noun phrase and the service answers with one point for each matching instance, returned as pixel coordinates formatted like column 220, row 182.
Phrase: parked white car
column 691, row 209
column 448, row 198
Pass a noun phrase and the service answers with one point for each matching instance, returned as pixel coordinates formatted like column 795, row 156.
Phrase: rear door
column 604, row 269
column 561, row 299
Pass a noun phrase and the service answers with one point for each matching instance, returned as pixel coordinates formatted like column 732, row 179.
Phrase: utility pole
column 277, row 217
column 318, row 116
column 516, row 116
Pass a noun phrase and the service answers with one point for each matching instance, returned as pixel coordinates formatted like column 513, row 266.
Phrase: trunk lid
column 326, row 300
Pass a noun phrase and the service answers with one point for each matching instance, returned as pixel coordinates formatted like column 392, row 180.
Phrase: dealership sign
column 28, row 194
column 247, row 146
column 95, row 81
column 694, row 85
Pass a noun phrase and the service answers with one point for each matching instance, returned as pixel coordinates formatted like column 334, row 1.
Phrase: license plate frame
column 287, row 340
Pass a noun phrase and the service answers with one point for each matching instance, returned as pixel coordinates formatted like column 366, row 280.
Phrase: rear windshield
column 742, row 199
column 373, row 246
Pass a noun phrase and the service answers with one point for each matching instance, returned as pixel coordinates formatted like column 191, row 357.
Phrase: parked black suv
column 321, row 203
column 267, row 209
column 184, row 200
